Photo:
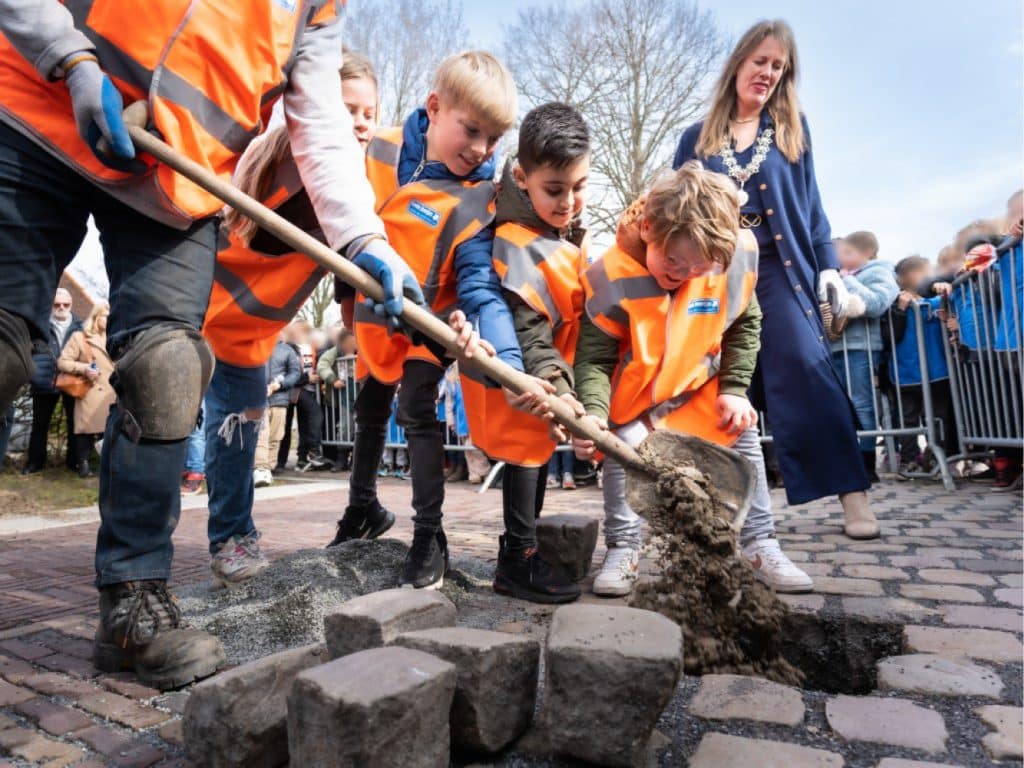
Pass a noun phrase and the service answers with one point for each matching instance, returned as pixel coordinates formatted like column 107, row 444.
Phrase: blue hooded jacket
column 875, row 283
column 477, row 285
column 906, row 361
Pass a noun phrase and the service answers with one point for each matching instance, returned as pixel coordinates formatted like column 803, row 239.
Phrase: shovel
column 732, row 475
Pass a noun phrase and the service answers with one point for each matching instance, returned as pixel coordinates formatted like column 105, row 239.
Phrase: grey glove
column 97, row 104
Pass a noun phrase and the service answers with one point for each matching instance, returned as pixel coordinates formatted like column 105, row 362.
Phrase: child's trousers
column 622, row 524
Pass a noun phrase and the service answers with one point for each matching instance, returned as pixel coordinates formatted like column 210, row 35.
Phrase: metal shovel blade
column 733, row 477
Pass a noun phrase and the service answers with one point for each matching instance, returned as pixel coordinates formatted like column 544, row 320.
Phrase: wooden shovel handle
column 417, row 317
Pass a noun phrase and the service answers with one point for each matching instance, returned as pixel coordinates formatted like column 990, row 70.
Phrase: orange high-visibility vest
column 210, row 72
column 256, row 294
column 670, row 342
column 425, row 222
column 545, row 272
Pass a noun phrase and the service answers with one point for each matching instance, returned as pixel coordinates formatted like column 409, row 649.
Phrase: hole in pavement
column 838, row 653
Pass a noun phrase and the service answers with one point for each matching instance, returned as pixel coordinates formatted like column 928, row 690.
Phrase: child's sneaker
column 363, row 523
column 528, row 576
column 1008, row 475
column 261, row 478
column 192, row 483
column 552, row 481
column 237, row 560
column 568, row 481
column 774, row 569
column 618, row 572
column 427, row 561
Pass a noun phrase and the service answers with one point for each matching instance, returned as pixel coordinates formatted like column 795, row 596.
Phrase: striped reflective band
column 607, row 295
column 522, row 271
column 384, row 152
column 251, row 305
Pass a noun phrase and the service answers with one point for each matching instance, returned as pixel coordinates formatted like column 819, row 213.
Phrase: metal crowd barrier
column 985, row 355
column 886, row 399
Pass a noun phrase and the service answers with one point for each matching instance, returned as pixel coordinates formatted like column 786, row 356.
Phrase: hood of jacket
column 873, row 266
column 514, row 206
column 414, row 155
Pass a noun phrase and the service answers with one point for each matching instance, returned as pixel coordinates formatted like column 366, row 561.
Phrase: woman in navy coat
column 755, row 134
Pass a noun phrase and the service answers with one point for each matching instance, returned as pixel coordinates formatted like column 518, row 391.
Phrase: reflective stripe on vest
column 165, row 51
column 425, row 221
column 624, row 300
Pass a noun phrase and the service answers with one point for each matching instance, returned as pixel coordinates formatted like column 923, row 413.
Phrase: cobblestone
column 983, row 616
column 946, row 592
column 951, row 576
column 939, row 675
column 1008, row 731
column 975, row 643
column 734, row 697
column 887, row 721
column 718, row 750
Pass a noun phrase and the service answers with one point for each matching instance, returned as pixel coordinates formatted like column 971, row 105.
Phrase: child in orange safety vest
column 432, row 178
column 670, row 339
column 539, row 254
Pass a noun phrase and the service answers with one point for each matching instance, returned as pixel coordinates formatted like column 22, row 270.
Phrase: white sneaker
column 261, row 478
column 618, row 572
column 238, row 560
column 774, row 569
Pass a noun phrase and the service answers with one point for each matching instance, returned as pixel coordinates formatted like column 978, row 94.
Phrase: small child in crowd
column 540, row 254
column 856, row 355
column 670, row 339
column 905, row 365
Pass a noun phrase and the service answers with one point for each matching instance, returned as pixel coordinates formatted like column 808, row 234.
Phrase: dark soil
column 731, row 622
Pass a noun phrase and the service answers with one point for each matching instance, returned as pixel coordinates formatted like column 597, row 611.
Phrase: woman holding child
column 756, row 135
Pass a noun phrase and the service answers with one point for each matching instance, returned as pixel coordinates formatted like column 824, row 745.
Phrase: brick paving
column 948, row 569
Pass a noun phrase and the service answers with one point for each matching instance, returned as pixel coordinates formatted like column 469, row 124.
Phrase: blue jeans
column 861, row 386
column 231, row 448
column 157, row 274
column 195, row 458
column 560, row 463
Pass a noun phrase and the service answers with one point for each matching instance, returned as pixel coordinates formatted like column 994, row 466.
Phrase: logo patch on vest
column 703, row 307
column 424, row 213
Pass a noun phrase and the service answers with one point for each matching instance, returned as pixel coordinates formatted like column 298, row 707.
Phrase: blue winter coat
column 46, row 362
column 285, row 366
column 875, row 283
column 1010, row 268
column 907, row 360
column 477, row 285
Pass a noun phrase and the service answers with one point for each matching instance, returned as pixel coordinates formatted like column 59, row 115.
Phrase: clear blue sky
column 916, row 108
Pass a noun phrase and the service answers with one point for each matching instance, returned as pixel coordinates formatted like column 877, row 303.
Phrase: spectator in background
column 45, row 394
column 6, row 426
column 307, row 405
column 394, row 461
column 336, row 369
column 905, row 365
column 194, row 474
column 85, row 355
column 856, row 355
column 284, row 370
column 560, row 470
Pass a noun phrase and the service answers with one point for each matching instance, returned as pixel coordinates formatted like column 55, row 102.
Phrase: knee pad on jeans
column 160, row 381
column 16, row 366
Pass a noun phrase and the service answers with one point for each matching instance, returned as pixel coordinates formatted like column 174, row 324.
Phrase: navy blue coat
column 809, row 413
column 46, row 362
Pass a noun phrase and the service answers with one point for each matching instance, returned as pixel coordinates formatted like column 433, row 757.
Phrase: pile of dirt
column 731, row 622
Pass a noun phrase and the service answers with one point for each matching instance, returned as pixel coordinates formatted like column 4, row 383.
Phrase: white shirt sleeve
column 330, row 161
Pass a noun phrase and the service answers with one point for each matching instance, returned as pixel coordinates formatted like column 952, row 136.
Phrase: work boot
column 858, row 520
column 141, row 630
column 427, row 561
column 363, row 523
column 526, row 575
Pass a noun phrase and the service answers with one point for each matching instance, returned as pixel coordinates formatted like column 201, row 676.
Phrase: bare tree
column 638, row 70
column 405, row 40
column 319, row 301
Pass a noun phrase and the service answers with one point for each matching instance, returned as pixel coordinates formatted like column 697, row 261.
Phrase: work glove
column 832, row 290
column 380, row 261
column 97, row 105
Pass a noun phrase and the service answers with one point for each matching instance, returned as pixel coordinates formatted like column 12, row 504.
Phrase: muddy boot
column 525, row 574
column 858, row 520
column 141, row 631
column 363, row 523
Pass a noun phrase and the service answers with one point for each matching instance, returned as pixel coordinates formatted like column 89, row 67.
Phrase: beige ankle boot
column 858, row 520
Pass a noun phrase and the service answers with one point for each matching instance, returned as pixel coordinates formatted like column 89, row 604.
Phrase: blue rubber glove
column 97, row 104
column 379, row 260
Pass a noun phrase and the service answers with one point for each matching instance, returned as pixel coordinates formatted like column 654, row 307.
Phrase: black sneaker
column 528, row 576
column 363, row 523
column 427, row 561
column 141, row 630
